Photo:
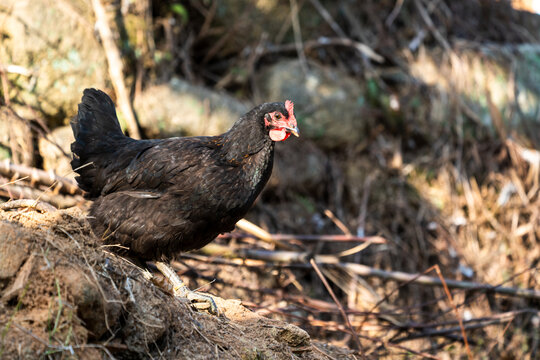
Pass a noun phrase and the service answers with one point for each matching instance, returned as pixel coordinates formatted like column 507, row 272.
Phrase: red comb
column 289, row 105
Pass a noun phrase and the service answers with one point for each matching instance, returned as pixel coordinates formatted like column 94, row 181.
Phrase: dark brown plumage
column 160, row 197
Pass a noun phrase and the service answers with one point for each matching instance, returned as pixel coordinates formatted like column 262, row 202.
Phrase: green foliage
column 307, row 203
column 372, row 91
column 59, row 312
column 5, row 153
column 160, row 56
column 180, row 10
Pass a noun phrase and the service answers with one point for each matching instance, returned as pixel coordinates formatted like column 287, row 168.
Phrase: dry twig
column 260, row 233
column 310, row 237
column 116, row 70
column 341, row 309
column 395, row 12
column 14, row 191
column 5, row 86
column 458, row 315
column 298, row 36
column 328, row 41
column 298, row 259
column 470, row 324
column 431, row 26
column 33, row 175
column 328, row 18
column 26, row 203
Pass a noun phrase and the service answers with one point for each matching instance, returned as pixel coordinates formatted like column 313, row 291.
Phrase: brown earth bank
column 64, row 295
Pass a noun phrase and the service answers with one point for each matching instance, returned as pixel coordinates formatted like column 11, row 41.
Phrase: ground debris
column 63, row 295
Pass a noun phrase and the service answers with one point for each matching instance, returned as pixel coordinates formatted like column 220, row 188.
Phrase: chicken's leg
column 200, row 301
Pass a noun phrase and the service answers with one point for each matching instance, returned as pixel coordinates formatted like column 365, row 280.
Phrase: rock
column 13, row 249
column 180, row 108
column 292, row 335
column 481, row 72
column 55, row 42
column 298, row 166
column 328, row 102
column 55, row 150
column 21, row 280
column 261, row 19
column 100, row 314
column 147, row 319
column 15, row 138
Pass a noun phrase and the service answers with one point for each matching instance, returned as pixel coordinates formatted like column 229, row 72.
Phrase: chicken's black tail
column 97, row 137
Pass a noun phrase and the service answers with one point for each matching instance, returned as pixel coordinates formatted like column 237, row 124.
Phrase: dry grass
column 444, row 189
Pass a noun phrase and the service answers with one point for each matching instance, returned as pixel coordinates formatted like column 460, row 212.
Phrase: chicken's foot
column 198, row 300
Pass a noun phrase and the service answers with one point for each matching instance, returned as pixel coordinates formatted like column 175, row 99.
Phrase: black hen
column 159, row 197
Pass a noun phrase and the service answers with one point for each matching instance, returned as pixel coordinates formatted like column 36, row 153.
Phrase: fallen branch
column 458, row 315
column 364, row 270
column 260, row 233
column 15, row 69
column 316, row 306
column 310, row 238
column 33, row 175
column 13, row 191
column 340, row 307
column 431, row 26
column 328, row 41
column 395, row 12
column 469, row 324
column 328, row 18
column 116, row 70
column 299, row 259
column 27, row 203
column 298, row 36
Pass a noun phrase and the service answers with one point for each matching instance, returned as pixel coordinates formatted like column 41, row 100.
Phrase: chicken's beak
column 293, row 131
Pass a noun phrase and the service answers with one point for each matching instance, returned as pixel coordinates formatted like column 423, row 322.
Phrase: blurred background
column 420, row 132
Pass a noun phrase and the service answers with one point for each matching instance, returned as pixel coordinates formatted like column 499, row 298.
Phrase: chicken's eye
column 278, row 116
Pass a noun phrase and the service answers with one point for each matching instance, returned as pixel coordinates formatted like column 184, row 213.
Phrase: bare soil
column 64, row 295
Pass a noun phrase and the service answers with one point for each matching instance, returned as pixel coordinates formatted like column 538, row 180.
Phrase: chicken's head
column 281, row 125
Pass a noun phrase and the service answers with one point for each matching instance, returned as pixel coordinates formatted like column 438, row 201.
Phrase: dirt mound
column 64, row 294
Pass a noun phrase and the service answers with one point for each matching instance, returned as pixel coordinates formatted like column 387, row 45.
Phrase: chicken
column 157, row 198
